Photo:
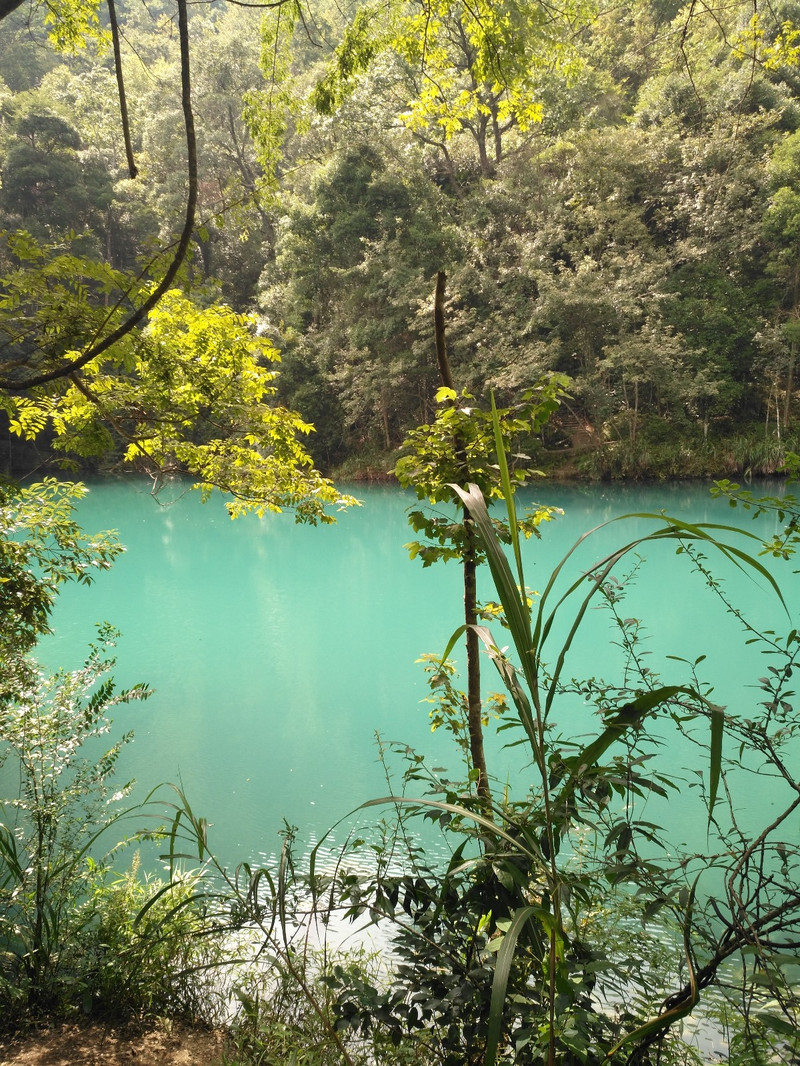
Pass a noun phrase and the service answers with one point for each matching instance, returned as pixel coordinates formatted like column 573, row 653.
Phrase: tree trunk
column 469, row 564
column 123, row 103
column 474, row 703
column 787, row 403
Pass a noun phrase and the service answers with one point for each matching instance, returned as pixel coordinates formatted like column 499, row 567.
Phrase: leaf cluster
column 42, row 547
column 192, row 393
column 459, row 446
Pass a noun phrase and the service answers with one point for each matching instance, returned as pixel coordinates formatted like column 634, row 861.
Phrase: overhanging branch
column 140, row 314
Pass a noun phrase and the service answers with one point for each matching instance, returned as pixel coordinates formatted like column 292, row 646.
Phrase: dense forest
column 613, row 194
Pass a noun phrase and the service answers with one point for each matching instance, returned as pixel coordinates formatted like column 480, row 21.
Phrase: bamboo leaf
column 715, row 762
column 511, row 681
column 628, row 716
column 508, row 492
column 456, row 809
column 505, row 959
column 511, row 597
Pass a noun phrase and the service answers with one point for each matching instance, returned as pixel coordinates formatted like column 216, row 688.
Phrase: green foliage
column 357, row 358
column 603, row 211
column 149, row 948
column 188, row 394
column 473, row 67
column 199, row 396
column 288, row 1017
column 268, row 112
column 610, row 194
column 73, row 23
column 785, row 509
column 52, row 298
column 48, row 832
column 51, row 184
column 41, row 547
column 74, row 934
column 458, row 447
column 503, row 955
column 449, row 708
column 361, row 42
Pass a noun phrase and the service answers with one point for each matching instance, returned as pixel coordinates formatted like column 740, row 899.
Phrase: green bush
column 51, row 829
column 73, row 934
column 150, row 949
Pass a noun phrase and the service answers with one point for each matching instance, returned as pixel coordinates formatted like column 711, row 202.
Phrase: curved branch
column 183, row 243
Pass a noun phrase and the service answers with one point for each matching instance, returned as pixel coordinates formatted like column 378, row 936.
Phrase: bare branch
column 8, row 7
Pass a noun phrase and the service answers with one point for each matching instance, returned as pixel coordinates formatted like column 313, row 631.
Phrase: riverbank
column 584, row 457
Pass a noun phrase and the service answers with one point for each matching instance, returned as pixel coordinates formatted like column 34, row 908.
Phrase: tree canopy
column 610, row 192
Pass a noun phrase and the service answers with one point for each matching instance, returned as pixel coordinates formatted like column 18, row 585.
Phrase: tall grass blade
column 511, row 597
column 455, row 809
column 510, row 679
column 505, row 960
column 508, row 493
column 628, row 717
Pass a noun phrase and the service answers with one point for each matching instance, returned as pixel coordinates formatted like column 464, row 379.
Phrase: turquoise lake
column 278, row 652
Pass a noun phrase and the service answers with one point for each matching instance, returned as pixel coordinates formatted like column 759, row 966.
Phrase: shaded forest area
column 617, row 199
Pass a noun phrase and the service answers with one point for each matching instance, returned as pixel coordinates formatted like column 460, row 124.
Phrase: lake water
column 277, row 652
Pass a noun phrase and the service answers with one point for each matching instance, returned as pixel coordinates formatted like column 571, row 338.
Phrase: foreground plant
column 49, row 830
column 500, row 954
column 759, row 909
column 457, row 448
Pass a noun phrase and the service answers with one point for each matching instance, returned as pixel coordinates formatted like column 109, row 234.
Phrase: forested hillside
column 613, row 191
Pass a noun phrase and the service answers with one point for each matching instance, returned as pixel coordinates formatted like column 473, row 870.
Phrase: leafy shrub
column 150, row 949
column 50, row 829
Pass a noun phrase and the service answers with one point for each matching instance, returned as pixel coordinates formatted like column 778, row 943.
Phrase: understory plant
column 508, row 950
column 456, row 448
column 49, row 829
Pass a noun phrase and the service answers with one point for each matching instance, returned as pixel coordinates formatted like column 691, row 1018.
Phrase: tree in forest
column 49, row 185
column 587, row 178
column 458, row 449
column 345, row 293
column 779, row 341
column 469, row 69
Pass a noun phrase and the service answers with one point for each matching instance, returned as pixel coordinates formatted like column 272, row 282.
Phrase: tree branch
column 8, row 7
column 140, row 314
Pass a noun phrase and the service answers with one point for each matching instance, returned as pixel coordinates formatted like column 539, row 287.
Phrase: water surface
column 277, row 652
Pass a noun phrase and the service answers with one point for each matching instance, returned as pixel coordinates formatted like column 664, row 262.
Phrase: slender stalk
column 133, row 170
column 474, row 702
column 469, row 567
